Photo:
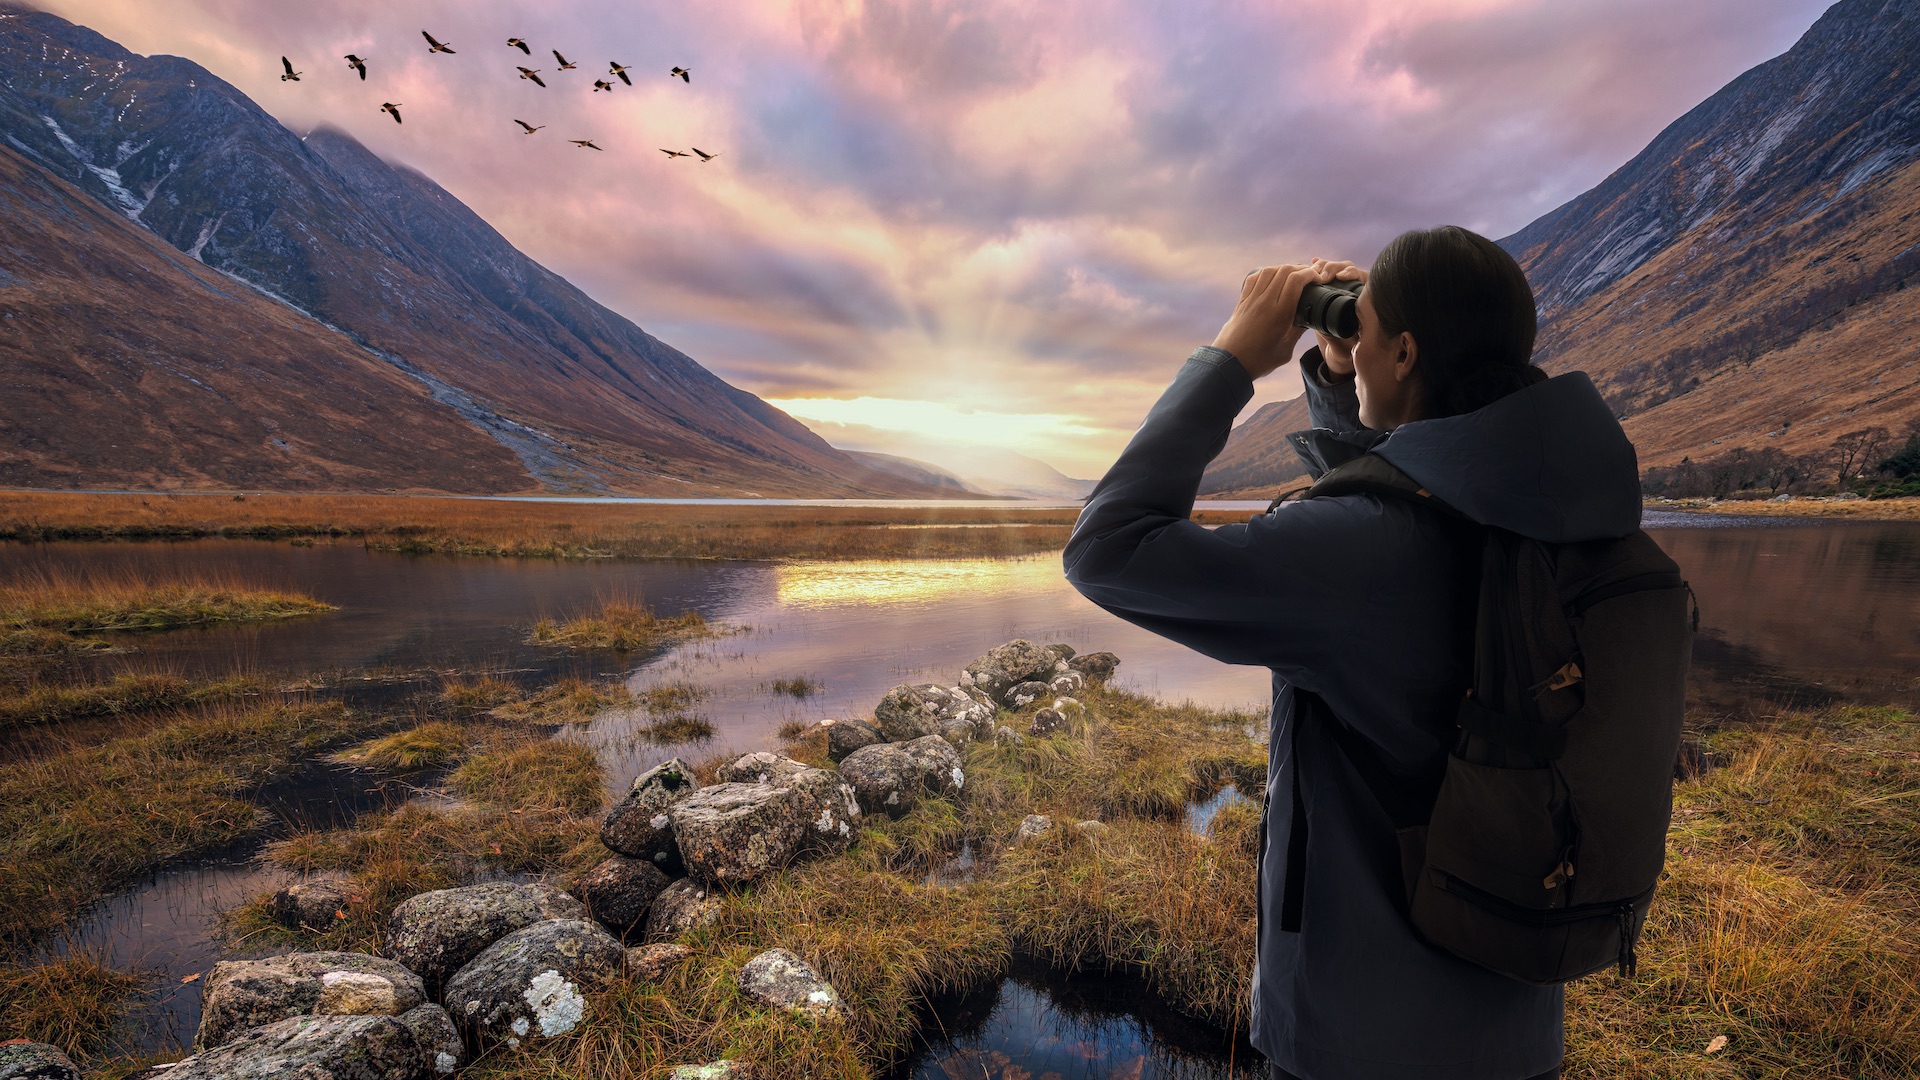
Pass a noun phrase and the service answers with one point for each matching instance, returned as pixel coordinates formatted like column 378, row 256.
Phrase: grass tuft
column 568, row 701
column 623, row 626
column 799, row 686
column 127, row 693
column 85, row 605
column 72, row 1002
column 430, row 745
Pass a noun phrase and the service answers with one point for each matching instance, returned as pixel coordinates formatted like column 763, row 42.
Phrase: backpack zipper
column 1622, row 911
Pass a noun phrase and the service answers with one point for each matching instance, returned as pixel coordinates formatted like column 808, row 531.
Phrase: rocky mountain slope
column 1258, row 462
column 1746, row 281
column 392, row 264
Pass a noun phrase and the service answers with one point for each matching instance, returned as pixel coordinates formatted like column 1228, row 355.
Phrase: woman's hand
column 1260, row 333
column 1337, row 353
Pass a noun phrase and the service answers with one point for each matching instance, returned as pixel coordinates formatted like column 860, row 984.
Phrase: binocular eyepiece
column 1330, row 308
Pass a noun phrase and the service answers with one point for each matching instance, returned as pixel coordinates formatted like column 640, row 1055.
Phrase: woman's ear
column 1406, row 356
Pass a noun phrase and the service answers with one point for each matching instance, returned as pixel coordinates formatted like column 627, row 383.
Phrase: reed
column 568, row 701
column 132, row 692
column 72, row 1002
column 91, row 604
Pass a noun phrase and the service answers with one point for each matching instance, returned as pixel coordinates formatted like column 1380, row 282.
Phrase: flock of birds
column 614, row 69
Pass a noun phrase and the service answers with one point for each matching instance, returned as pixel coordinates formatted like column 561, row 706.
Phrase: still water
column 1793, row 613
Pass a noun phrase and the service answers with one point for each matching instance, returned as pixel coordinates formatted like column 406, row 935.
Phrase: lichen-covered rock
column 939, row 764
column 242, row 994
column 908, row 712
column 435, row 933
column 679, row 908
column 1046, row 722
column 314, row 905
column 1070, row 682
column 1027, row 693
column 724, row 1069
column 638, row 826
column 884, row 777
column 1006, row 736
column 419, row 1043
column 619, row 891
column 1097, row 667
column 846, row 736
column 1092, row 828
column 1069, row 708
column 783, row 980
column 35, row 1061
column 760, row 767
column 959, row 732
column 650, row 962
column 832, row 812
column 1032, row 827
column 730, row 834
column 1006, row 667
column 1061, row 650
column 531, row 981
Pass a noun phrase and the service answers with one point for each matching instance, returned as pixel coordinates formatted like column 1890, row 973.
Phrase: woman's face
column 1383, row 368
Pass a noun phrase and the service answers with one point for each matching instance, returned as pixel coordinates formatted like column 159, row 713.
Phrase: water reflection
column 1038, row 1024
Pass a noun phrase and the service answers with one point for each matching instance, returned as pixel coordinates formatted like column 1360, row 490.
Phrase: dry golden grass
column 567, row 701
column 95, row 604
column 431, row 744
column 71, row 1002
column 131, row 692
column 623, row 626
column 1904, row 509
column 425, row 524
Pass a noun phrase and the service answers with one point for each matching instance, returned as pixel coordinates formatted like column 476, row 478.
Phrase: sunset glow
column 935, row 225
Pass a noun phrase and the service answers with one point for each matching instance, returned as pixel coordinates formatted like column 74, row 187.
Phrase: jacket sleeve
column 1332, row 401
column 1287, row 590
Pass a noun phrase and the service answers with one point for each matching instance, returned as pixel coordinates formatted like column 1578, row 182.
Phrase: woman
column 1362, row 608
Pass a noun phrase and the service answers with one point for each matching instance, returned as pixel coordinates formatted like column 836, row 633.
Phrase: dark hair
column 1468, row 305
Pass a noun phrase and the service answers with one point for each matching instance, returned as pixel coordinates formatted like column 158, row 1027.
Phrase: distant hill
column 1746, row 280
column 920, row 472
column 1258, row 462
column 1009, row 475
column 379, row 256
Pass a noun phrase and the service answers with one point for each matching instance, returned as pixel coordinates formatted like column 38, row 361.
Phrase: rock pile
column 509, row 962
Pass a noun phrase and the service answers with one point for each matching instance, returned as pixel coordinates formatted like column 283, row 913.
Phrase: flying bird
column 531, row 128
column 358, row 65
column 564, row 66
column 682, row 72
column 516, row 43
column 530, row 73
column 704, row 156
column 674, row 153
column 434, row 46
column 601, row 84
column 291, row 75
column 615, row 67
column 390, row 107
column 585, row 144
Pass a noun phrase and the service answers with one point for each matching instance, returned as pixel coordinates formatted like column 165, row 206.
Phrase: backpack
column 1537, row 855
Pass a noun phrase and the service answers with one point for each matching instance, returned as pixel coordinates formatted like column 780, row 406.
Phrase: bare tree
column 1852, row 451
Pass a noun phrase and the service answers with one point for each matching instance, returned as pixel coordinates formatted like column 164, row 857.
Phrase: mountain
column 385, row 260
column 1258, row 462
column 1005, row 474
column 1744, row 282
column 920, row 472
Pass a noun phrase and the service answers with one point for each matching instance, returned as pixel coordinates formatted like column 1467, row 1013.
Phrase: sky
column 938, row 226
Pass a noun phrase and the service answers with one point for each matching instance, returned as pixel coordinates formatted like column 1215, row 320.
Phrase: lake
column 1793, row 612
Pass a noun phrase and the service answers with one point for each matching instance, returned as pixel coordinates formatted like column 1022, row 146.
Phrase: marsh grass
column 429, row 745
column 798, row 686
column 622, row 626
column 77, row 825
column 130, row 692
column 76, row 605
column 451, row 526
column 478, row 694
column 672, row 697
column 567, row 701
column 73, row 1002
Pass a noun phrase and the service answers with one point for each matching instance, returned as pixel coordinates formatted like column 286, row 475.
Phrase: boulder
column 908, row 712
column 639, row 826
column 650, row 962
column 1006, row 667
column 242, row 994
column 831, row 810
column 1032, row 827
column 1097, row 667
column 1006, row 736
column 435, row 933
column 760, row 767
column 1046, row 722
column 846, row 736
column 680, row 907
column 35, row 1061
column 529, row 982
column 1060, row 650
column 419, row 1043
column 1027, row 693
column 1092, row 828
column 1069, row 682
column 619, row 891
column 939, row 764
column 724, row 1069
column 959, row 732
column 1069, row 708
column 730, row 834
column 783, row 980
column 312, row 905
column 884, row 777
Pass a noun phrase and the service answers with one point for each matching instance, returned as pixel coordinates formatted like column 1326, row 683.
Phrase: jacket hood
column 1549, row 462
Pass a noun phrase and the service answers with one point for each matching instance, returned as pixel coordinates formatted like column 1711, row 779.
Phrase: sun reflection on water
column 911, row 581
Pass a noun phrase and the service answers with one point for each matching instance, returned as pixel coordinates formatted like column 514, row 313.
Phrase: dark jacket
column 1367, row 604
